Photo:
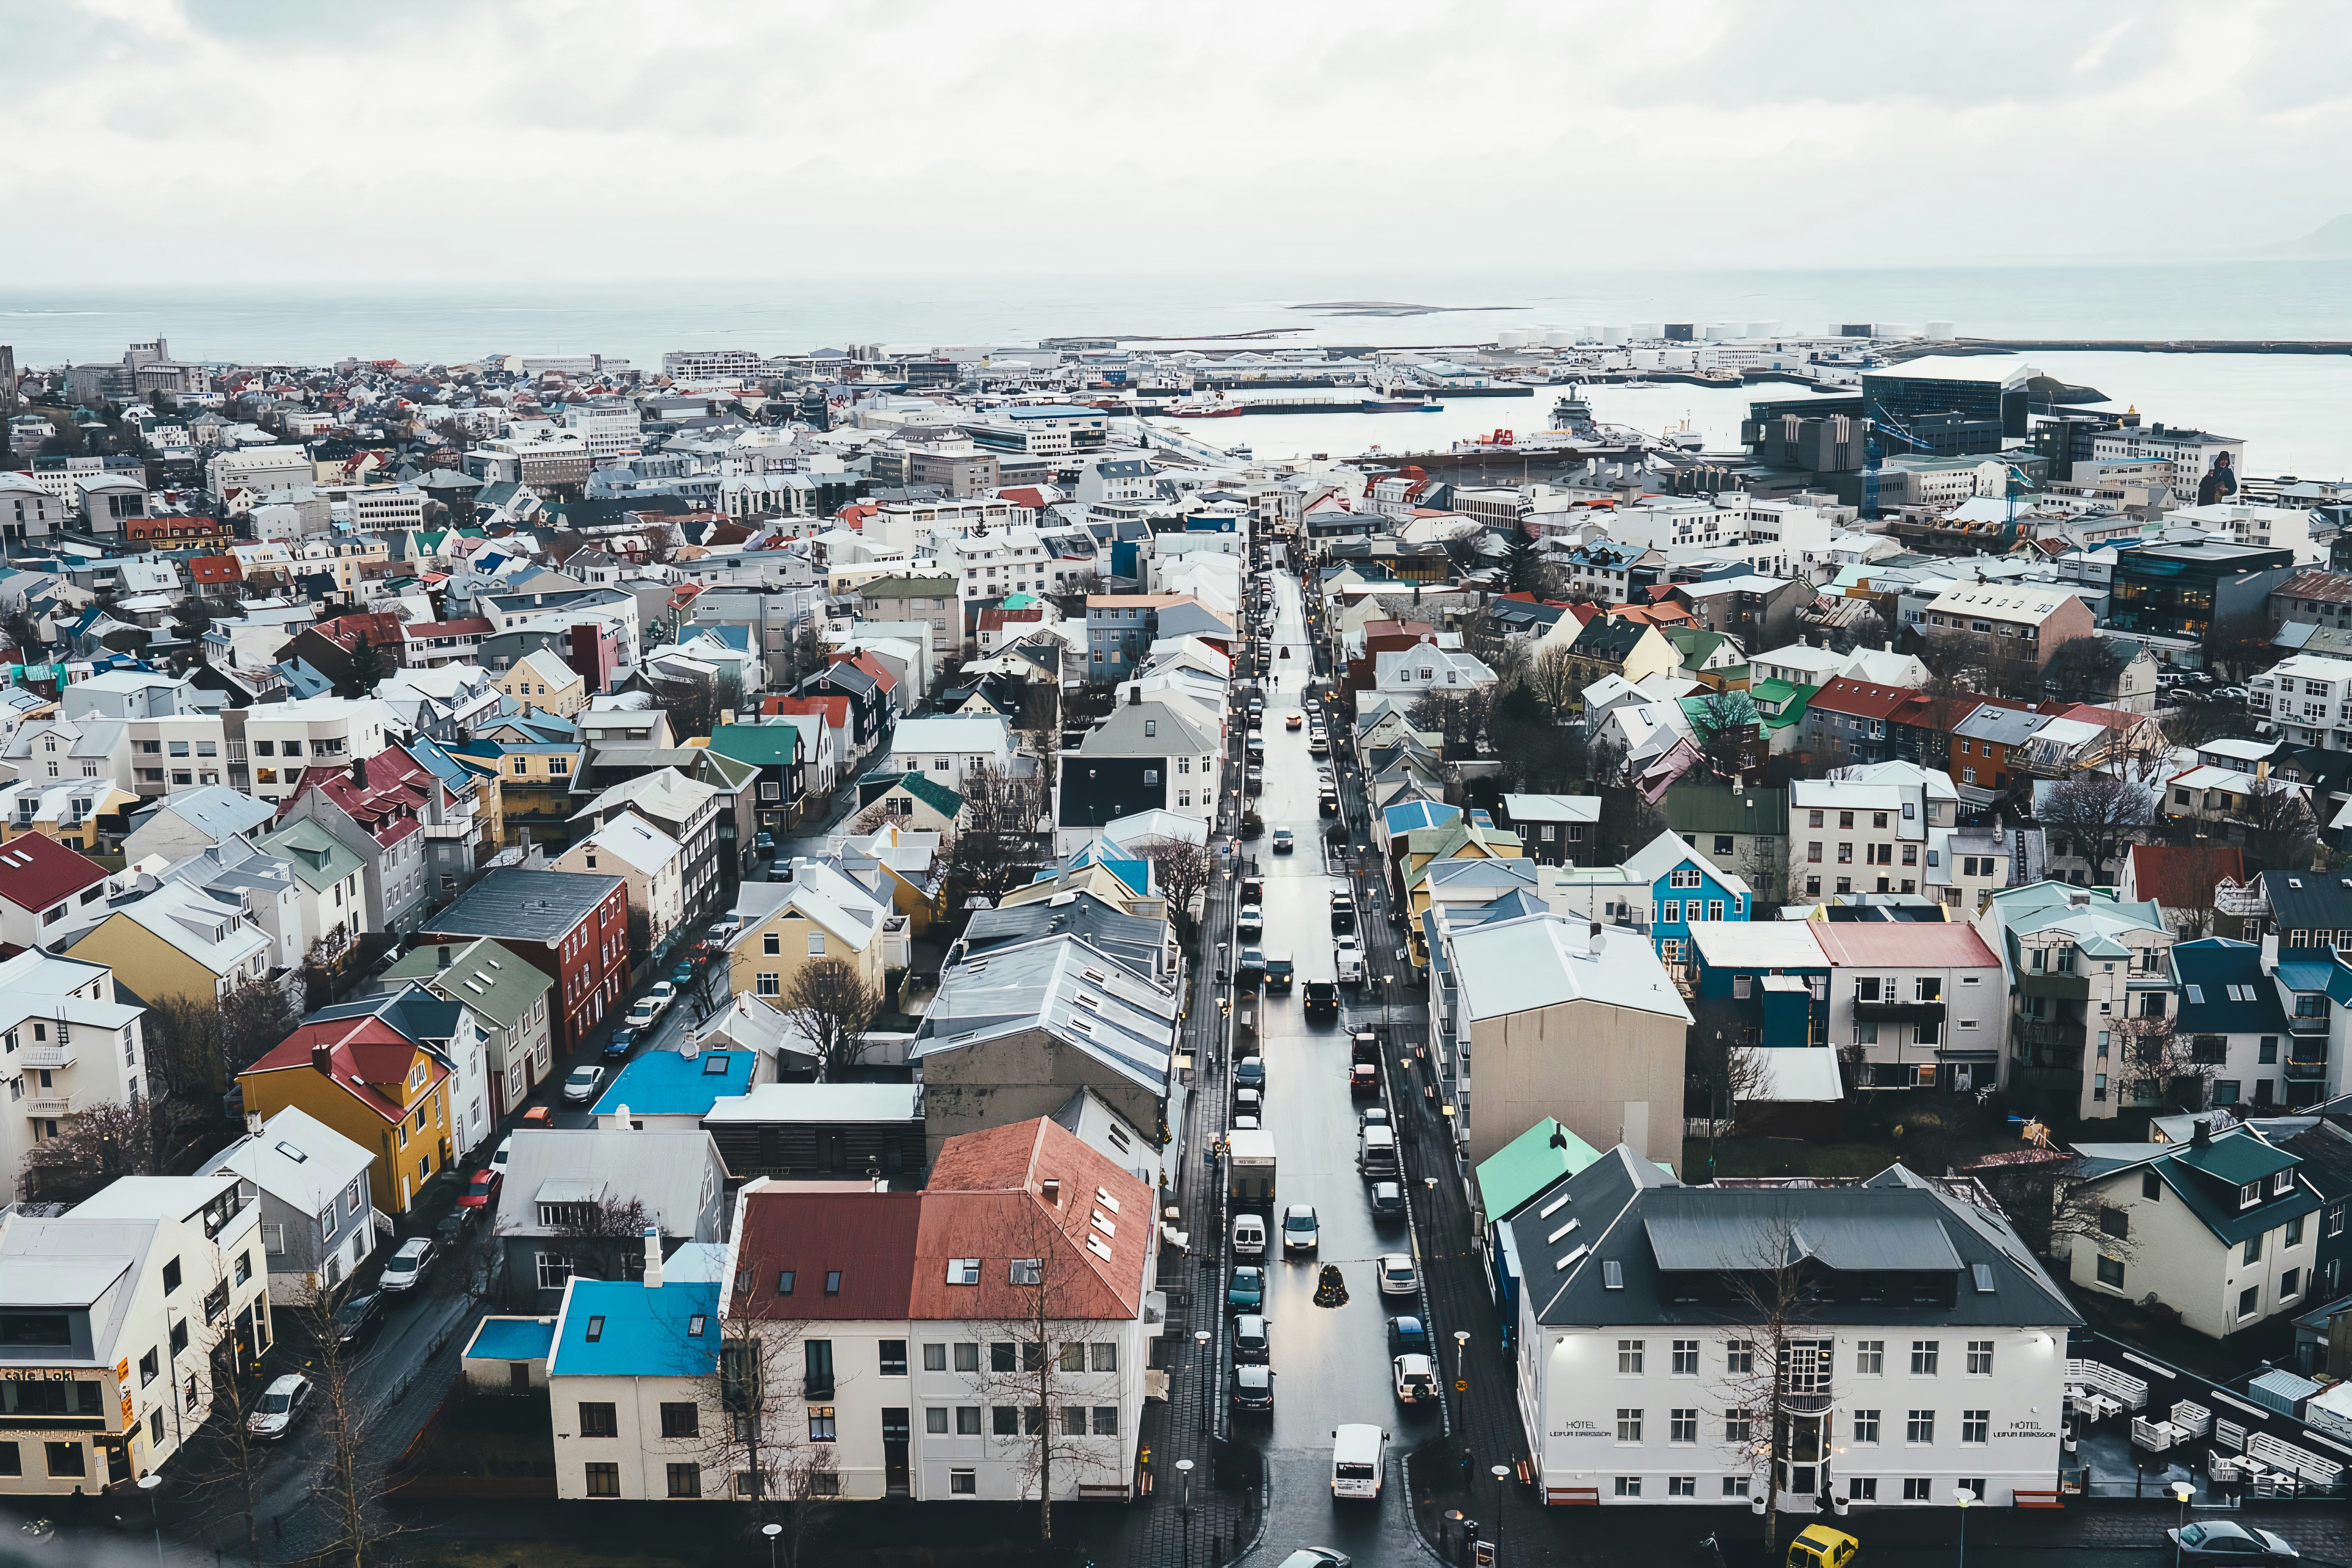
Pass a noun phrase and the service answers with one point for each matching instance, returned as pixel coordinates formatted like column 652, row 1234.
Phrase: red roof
column 362, row 1053
column 867, row 1238
column 1026, row 495
column 996, row 617
column 35, row 872
column 470, row 626
column 379, row 629
column 873, row 667
column 836, row 710
column 2184, row 875
column 215, row 569
column 1843, row 695
column 1920, row 944
column 2106, row 718
column 387, row 806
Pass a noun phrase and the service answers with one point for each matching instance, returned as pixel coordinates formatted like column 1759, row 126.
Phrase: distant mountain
column 2332, row 238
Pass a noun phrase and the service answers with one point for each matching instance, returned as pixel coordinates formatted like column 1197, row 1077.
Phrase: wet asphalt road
column 1331, row 1366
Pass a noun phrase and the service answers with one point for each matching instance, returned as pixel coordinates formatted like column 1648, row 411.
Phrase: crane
column 1872, row 455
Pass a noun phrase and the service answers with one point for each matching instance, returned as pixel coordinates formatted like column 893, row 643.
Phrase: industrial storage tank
column 1941, row 332
column 1646, row 359
column 1763, row 328
column 1511, row 338
column 1721, row 332
column 1559, row 338
column 1646, row 332
column 1612, row 336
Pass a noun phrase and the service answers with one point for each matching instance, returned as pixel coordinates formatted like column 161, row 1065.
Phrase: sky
column 287, row 140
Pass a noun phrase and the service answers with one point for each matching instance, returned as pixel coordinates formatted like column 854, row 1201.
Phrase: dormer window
column 2249, row 1194
column 2283, row 1182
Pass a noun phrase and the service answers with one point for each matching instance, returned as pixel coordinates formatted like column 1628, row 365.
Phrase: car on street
column 1250, row 922
column 624, row 1040
column 282, row 1404
column 1279, row 973
column 580, row 1088
column 1317, row 745
column 1364, row 1079
column 1253, row 1386
column 1343, row 913
column 2223, row 1541
column 1299, row 1231
column 408, row 1265
column 539, row 1116
column 1316, row 1557
column 1252, row 1340
column 1246, row 1293
column 1283, row 843
column 662, row 991
column 1407, row 1336
column 1416, row 1379
column 358, row 1317
column 682, row 976
column 1249, row 1102
column 643, row 1012
column 1322, row 1000
column 1386, row 1201
column 1395, row 1274
column 1250, row 1073
column 1245, row 1124
column 1294, row 721
column 449, row 1230
column 1372, row 1116
column 482, row 1188
column 1249, row 970
column 1326, row 801
column 504, row 1153
column 1347, row 960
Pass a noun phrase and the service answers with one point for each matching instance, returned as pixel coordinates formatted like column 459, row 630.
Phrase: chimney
column 445, row 955
column 1135, row 697
column 1052, row 1186
column 2201, row 1134
column 652, row 1258
column 322, row 1058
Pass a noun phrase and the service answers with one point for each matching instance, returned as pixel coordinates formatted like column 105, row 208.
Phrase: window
column 2252, row 1250
column 967, row 1420
column 2250, row 1301
column 686, row 1480
column 816, row 944
column 1106, row 1355
column 1739, row 1427
column 894, row 1357
column 1629, row 1358
column 599, row 1421
column 1106, row 1417
column 966, row 1483
column 966, row 1356
column 1685, row 1358
column 772, row 943
column 603, row 1480
column 1629, row 1486
column 1923, row 1357
column 1740, row 1356
column 1005, row 1420
column 963, row 1271
column 770, row 983
column 1735, row 1486
column 1980, row 1358
column 1866, row 1425
column 2111, row 1272
column 935, row 1358
column 1863, row 1488
column 680, row 1420
column 150, row 1367
column 935, row 1420
column 1920, row 1428
column 170, row 1276
column 1629, row 1425
column 1682, row 1426
column 821, row 1425
column 1976, row 1425
column 1917, row 1489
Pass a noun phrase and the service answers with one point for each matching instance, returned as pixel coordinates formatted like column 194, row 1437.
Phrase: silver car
column 281, row 1404
column 405, row 1268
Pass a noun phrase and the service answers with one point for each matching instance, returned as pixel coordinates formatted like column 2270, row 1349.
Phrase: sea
column 2289, row 408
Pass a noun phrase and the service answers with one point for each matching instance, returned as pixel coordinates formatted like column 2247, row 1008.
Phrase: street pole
column 2184, row 1491
column 1964, row 1496
column 772, row 1531
column 147, row 1483
column 1184, row 1510
column 1200, row 1339
column 1499, row 1472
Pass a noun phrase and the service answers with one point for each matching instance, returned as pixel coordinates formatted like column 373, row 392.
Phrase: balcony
column 1899, row 1012
column 1806, row 1403
column 2306, row 1071
column 2302, row 1024
column 47, row 1105
column 457, row 831
column 817, row 1388
column 57, row 1055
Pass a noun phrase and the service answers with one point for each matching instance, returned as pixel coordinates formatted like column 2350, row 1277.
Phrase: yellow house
column 535, row 785
column 907, row 867
column 179, row 941
column 539, row 679
column 68, row 813
column 373, row 1085
column 1460, row 840
column 820, row 913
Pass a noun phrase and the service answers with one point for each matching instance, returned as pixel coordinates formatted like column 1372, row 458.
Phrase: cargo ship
column 1399, row 405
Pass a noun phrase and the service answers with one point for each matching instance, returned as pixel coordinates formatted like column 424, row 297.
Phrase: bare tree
column 2102, row 814
column 254, row 1016
column 1004, row 837
column 350, row 1528
column 1777, row 1381
column 2083, row 669
column 2240, row 644
column 93, row 1150
column 2280, row 832
column 2156, row 1065
column 1183, row 871
column 753, row 1419
column 833, row 1006
column 1627, row 820
column 2048, row 1202
column 606, row 1239
column 1727, row 730
column 1555, row 677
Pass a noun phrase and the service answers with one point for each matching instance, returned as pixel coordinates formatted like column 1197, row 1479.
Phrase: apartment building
column 2304, row 700
column 1870, row 830
column 284, row 739
column 2009, row 624
column 1936, row 1360
column 2087, row 974
column 1921, row 1002
column 71, row 1046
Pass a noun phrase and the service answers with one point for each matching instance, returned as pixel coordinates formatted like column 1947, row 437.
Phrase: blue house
column 673, row 1090
column 1763, row 983
column 1664, row 887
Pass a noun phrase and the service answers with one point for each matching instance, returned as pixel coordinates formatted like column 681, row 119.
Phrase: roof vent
column 1051, row 1188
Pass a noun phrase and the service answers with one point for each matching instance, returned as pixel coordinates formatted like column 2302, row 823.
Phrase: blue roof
column 512, row 1338
column 627, row 1329
column 669, row 1083
column 2306, row 969
column 1407, row 815
column 2210, row 970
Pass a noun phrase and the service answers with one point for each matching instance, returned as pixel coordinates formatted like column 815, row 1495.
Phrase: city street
column 1331, row 1365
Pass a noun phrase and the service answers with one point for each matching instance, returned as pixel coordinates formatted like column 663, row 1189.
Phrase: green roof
column 1693, row 643
column 319, row 858
column 935, row 795
column 1713, row 808
column 1527, row 1164
column 1791, row 697
column 735, row 772
column 770, row 745
column 902, row 587
column 484, row 975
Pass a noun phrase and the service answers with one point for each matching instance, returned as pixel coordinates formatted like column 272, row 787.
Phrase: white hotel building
column 1931, row 1354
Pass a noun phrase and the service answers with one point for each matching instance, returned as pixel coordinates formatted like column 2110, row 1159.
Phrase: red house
column 573, row 926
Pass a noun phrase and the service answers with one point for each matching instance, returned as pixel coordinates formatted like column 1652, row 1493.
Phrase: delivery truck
column 1249, row 1167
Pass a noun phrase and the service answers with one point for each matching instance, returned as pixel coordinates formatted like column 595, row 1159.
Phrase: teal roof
column 1408, row 816
column 317, row 857
column 626, row 1328
column 670, row 1083
column 935, row 795
column 770, row 745
column 1527, row 1164
column 511, row 1339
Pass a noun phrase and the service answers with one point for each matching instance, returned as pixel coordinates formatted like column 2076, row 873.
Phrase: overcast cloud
column 200, row 140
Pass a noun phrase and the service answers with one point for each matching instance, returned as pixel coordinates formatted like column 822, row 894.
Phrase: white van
column 1249, row 1236
column 1359, row 1455
column 1376, row 1152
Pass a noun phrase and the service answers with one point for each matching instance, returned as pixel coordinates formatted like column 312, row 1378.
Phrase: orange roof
column 362, row 1053
column 2106, row 718
column 836, row 710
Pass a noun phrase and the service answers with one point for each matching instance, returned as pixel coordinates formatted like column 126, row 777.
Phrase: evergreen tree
column 1521, row 565
column 366, row 670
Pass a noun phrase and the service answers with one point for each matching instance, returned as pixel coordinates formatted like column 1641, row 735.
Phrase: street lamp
column 1184, row 1509
column 1499, row 1472
column 147, row 1483
column 772, row 1531
column 1201, row 1339
column 1964, row 1496
column 2184, row 1491
column 1461, row 1352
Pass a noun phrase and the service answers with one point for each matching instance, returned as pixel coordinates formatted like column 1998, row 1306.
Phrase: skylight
column 1563, row 1230
column 1982, row 1274
column 1552, row 1207
column 291, row 1152
column 1107, row 1201
column 595, row 1329
column 1579, row 1251
column 1612, row 1275
column 2197, row 994
column 1102, row 1224
column 1095, row 1244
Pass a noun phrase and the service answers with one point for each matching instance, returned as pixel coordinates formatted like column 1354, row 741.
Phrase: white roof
column 1553, row 807
column 1803, row 1073
column 2002, row 601
column 636, row 841
column 1766, row 944
column 296, row 1159
column 1540, row 961
column 959, row 733
column 820, row 1102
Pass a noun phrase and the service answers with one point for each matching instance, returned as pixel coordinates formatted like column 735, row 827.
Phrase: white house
column 642, row 855
column 318, row 1224
column 946, row 750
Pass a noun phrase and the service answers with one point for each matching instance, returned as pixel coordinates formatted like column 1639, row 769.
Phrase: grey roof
column 673, row 1172
column 1066, row 987
column 216, row 810
column 2009, row 726
column 511, row 904
column 1135, row 941
column 2309, row 900
column 1646, row 1249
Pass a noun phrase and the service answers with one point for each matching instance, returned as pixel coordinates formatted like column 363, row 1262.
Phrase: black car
column 1252, row 1341
column 1250, row 970
column 1252, row 1390
column 1322, row 1000
column 358, row 1317
column 449, row 1230
column 1279, row 973
column 1343, row 914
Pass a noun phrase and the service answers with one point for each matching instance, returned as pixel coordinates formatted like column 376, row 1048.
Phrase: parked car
column 358, row 1317
column 1363, row 1080
column 1347, row 961
column 1372, row 1116
column 1299, row 1231
column 662, row 991
column 504, row 1153
column 1250, row 1073
column 682, row 976
column 1253, row 1386
column 540, row 1115
column 643, row 1012
column 2222, row 1540
column 1326, row 801
column 409, row 1264
column 1283, row 844
column 1387, row 1201
column 1250, row 921
column 282, row 1404
column 1249, row 970
column 1416, row 1380
column 1395, row 1273
column 1253, row 1341
column 581, row 1087
column 449, row 1230
column 624, row 1040
column 1343, row 912
column 1249, row 1102
column 1246, row 1293
column 482, row 1187
column 1249, row 1236
column 1406, row 1334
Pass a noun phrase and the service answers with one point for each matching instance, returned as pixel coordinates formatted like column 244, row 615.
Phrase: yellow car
column 1819, row 1546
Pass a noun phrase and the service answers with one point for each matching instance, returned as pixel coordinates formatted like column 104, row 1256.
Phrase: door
column 895, row 1434
column 517, row 1377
